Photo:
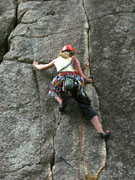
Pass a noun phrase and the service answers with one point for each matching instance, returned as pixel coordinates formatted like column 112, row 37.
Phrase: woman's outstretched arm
column 79, row 69
column 43, row 66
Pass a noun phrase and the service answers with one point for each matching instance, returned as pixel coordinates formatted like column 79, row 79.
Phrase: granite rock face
column 112, row 43
column 33, row 134
column 7, row 23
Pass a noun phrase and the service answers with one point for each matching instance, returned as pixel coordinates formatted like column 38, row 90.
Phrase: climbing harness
column 59, row 83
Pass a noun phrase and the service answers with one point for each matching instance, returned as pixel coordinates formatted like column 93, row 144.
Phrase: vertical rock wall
column 30, row 125
column 7, row 24
column 112, row 41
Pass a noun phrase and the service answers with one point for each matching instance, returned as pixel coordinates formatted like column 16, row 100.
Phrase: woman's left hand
column 35, row 63
column 88, row 80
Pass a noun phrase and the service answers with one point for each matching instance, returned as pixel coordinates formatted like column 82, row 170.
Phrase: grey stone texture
column 7, row 23
column 30, row 123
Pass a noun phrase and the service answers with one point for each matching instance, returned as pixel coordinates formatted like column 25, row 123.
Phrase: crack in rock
column 11, row 26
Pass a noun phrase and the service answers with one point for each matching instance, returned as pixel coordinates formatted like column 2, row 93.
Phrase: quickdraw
column 59, row 155
column 79, row 156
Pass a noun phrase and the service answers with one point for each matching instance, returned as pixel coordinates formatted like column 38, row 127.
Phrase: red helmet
column 68, row 47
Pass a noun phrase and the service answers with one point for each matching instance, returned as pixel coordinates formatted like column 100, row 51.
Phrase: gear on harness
column 69, row 83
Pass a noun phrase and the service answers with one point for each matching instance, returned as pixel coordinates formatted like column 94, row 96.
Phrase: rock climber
column 71, row 79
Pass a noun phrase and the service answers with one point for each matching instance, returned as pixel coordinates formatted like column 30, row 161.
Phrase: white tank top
column 60, row 62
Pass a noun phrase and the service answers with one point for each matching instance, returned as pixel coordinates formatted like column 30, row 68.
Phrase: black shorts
column 78, row 93
column 84, row 104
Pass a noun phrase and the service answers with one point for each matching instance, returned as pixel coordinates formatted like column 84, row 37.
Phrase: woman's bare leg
column 62, row 106
column 58, row 99
column 97, row 124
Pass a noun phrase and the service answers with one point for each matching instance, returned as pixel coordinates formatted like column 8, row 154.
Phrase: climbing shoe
column 105, row 135
column 62, row 107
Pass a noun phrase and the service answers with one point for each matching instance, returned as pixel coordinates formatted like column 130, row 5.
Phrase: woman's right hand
column 88, row 80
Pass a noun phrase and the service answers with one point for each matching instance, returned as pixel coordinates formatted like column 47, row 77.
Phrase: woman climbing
column 71, row 79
